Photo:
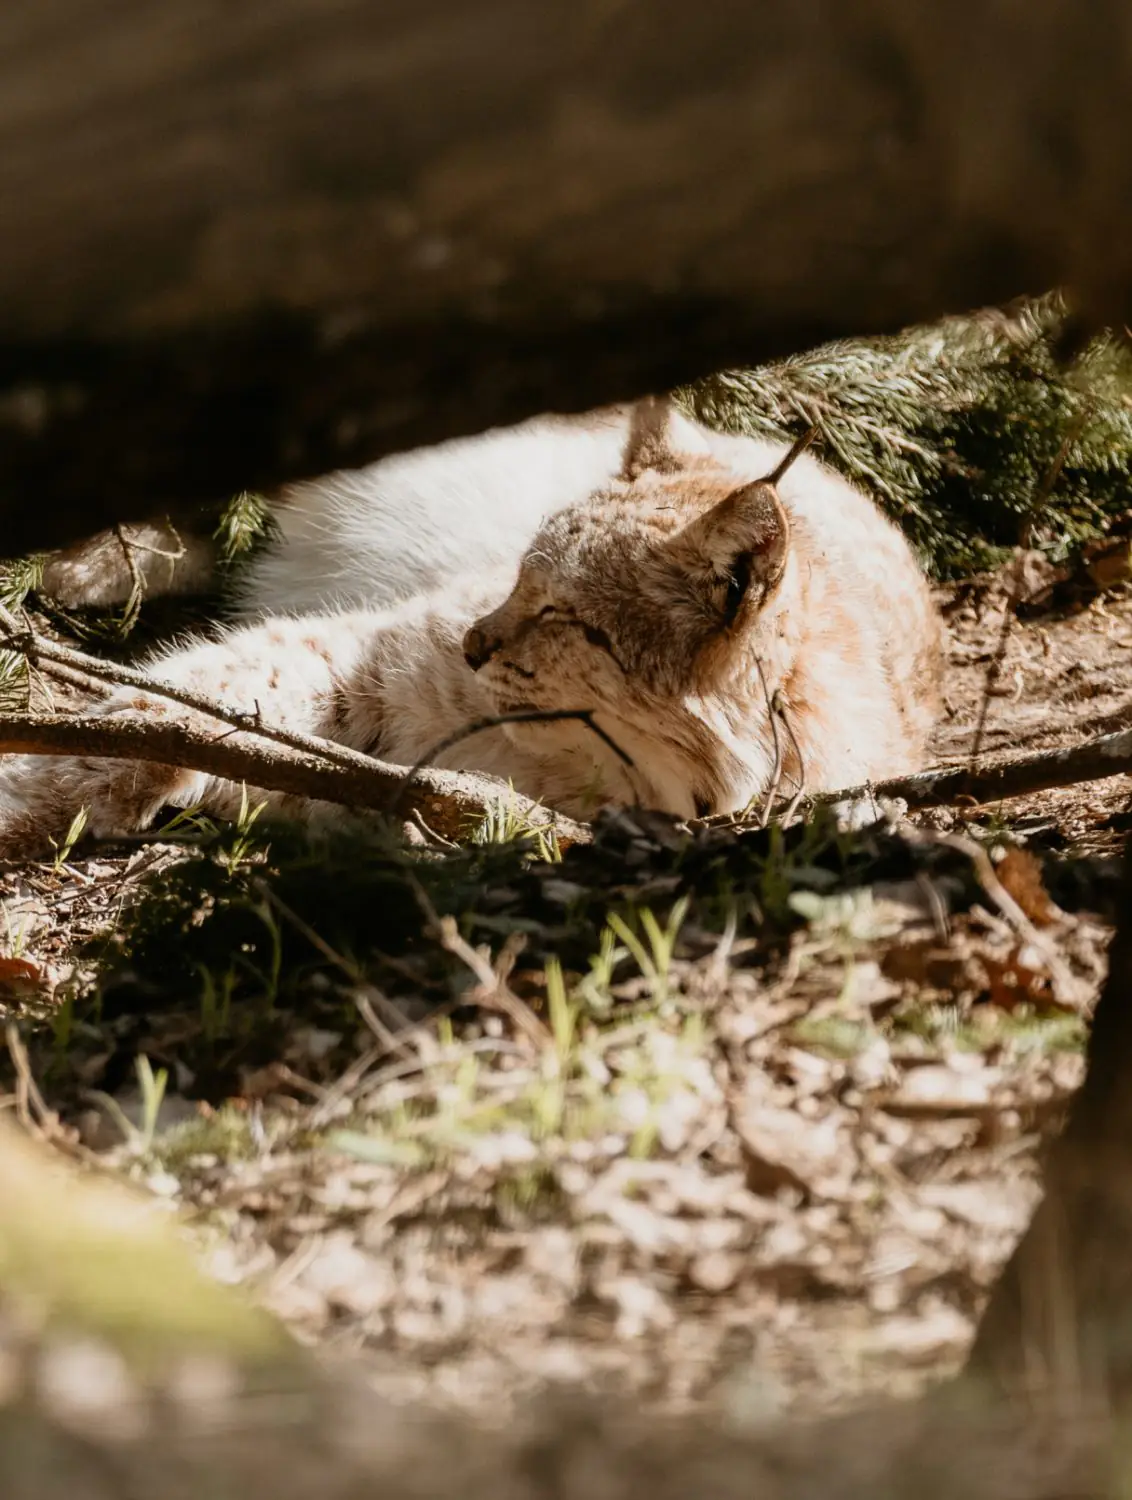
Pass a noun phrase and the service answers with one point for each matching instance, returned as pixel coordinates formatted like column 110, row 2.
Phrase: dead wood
column 1093, row 760
column 448, row 801
column 313, row 234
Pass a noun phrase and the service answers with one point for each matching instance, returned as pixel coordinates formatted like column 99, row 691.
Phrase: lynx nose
column 479, row 647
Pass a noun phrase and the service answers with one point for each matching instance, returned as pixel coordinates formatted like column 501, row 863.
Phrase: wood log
column 249, row 243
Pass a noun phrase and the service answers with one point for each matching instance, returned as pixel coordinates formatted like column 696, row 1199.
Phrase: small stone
column 87, row 1387
column 349, row 1278
column 714, row 1272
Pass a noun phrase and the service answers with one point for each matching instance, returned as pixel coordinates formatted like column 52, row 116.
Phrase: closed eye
column 601, row 641
column 593, row 634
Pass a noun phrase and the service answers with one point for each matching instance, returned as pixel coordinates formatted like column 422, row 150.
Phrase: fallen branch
column 77, row 666
column 83, row 671
column 449, row 800
column 304, row 765
column 1094, row 760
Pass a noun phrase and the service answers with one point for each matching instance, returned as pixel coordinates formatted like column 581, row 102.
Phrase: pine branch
column 245, row 525
column 952, row 426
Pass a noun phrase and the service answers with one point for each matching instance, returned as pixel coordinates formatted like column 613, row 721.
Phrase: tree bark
column 248, row 243
column 1059, row 1322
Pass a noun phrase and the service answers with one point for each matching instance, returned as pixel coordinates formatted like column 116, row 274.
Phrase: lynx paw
column 46, row 801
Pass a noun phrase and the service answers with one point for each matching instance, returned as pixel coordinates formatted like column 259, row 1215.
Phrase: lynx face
column 646, row 606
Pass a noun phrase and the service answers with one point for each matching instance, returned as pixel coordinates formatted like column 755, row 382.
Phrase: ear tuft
column 660, row 438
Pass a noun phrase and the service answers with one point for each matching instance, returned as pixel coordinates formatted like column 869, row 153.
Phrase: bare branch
column 449, row 800
column 1093, row 760
column 36, row 649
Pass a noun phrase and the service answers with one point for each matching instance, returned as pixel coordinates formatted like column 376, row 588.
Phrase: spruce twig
column 952, row 427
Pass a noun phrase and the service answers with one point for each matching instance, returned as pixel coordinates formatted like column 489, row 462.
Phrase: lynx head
column 646, row 605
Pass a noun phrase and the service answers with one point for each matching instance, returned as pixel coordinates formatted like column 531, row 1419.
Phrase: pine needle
column 245, row 525
column 953, row 426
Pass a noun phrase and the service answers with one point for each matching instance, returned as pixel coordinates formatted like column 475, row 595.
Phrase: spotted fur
column 722, row 632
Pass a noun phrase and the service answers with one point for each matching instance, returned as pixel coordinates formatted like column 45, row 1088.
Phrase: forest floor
column 720, row 1112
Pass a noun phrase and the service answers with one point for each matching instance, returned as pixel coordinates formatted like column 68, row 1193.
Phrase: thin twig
column 780, row 719
column 784, row 712
column 137, row 545
column 429, row 835
column 994, row 669
column 353, row 973
column 1014, row 598
column 137, row 582
column 776, row 770
column 525, row 716
column 1067, row 990
column 798, row 448
column 491, row 990
column 31, row 1107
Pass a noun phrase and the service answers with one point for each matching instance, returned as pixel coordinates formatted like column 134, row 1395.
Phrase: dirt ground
column 764, row 1137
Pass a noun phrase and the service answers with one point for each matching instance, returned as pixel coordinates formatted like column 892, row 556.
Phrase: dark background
column 245, row 242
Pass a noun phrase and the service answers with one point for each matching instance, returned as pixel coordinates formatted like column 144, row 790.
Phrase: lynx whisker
column 496, row 721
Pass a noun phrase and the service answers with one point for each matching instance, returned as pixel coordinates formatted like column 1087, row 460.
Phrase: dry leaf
column 1110, row 562
column 1015, row 982
column 19, row 973
column 926, row 962
column 1020, row 874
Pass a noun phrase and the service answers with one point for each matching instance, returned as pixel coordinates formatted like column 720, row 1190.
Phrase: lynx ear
column 741, row 544
column 660, row 438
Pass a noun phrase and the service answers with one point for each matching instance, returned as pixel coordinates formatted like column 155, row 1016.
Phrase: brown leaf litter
column 774, row 1157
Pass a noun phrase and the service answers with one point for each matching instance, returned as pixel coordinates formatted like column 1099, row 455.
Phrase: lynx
column 722, row 630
